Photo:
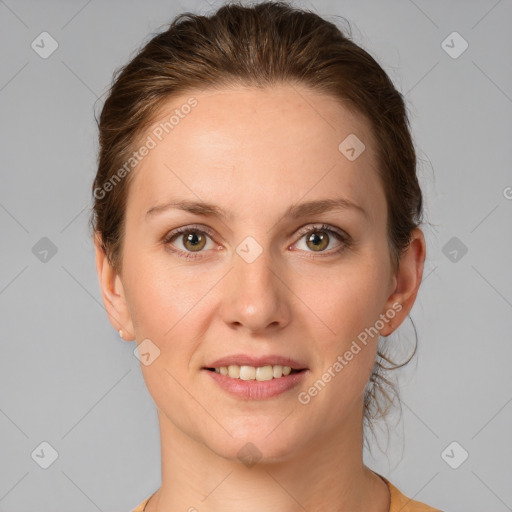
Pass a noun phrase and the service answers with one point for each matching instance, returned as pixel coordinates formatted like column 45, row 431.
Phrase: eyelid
column 311, row 226
column 185, row 229
column 320, row 226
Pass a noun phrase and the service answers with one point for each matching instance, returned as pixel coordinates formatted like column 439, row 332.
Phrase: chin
column 264, row 443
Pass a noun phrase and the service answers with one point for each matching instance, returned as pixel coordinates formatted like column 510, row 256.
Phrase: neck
column 320, row 475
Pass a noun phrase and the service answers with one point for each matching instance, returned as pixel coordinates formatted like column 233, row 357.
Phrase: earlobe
column 408, row 280
column 113, row 294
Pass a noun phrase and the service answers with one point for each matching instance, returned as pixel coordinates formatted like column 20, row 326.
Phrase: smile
column 245, row 384
column 261, row 373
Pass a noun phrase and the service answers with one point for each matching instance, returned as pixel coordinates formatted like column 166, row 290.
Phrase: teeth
column 261, row 373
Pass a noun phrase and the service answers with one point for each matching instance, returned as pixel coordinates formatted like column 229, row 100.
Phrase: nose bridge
column 256, row 296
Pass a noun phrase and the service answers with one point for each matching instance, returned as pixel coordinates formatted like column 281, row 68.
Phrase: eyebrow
column 294, row 211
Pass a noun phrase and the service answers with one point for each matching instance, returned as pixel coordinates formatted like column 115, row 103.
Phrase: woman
column 256, row 231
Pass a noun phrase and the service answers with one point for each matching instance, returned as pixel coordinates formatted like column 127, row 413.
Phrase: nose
column 256, row 297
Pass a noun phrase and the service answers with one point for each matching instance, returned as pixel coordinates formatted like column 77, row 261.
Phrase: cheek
column 160, row 293
column 348, row 305
column 164, row 302
column 347, row 299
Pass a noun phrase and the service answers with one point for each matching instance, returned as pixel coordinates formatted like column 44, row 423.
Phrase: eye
column 192, row 240
column 318, row 238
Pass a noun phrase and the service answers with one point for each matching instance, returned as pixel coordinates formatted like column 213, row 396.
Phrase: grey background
column 67, row 379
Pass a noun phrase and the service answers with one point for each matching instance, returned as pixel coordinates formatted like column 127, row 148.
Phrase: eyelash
column 345, row 239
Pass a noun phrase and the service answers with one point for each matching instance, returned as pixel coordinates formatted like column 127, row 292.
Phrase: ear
column 113, row 293
column 406, row 282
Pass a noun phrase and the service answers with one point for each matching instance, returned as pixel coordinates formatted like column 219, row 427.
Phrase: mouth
column 260, row 373
column 256, row 383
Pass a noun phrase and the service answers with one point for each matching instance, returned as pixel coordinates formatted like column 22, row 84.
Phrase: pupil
column 190, row 238
column 194, row 240
column 318, row 240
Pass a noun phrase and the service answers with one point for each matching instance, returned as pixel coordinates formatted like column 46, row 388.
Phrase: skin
column 255, row 152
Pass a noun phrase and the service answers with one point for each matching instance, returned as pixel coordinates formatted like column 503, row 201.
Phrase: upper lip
column 256, row 361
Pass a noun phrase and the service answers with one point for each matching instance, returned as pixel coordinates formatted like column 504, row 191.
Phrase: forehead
column 241, row 147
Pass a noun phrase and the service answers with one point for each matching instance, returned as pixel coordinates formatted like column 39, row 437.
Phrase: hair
column 263, row 45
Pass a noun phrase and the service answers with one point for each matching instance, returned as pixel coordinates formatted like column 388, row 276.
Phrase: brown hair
column 261, row 45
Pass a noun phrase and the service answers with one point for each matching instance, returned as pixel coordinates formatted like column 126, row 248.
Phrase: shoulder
column 140, row 508
column 400, row 502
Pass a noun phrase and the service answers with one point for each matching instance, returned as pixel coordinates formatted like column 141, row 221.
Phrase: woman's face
column 261, row 283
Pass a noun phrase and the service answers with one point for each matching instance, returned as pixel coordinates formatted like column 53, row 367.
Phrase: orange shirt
column 399, row 502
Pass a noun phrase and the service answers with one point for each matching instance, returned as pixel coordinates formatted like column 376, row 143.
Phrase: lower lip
column 255, row 389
